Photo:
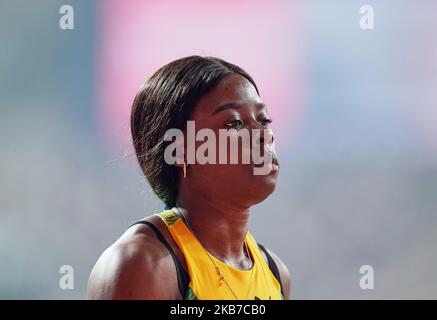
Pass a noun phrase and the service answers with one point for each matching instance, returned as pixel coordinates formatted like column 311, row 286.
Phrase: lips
column 274, row 161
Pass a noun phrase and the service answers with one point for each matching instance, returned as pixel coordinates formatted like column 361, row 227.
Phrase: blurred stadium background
column 355, row 114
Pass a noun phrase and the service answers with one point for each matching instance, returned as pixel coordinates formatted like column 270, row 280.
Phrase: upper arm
column 284, row 274
column 132, row 271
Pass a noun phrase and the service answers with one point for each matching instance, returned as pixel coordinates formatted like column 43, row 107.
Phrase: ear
column 181, row 151
column 174, row 153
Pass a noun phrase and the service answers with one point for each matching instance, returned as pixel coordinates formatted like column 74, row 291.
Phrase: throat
column 222, row 237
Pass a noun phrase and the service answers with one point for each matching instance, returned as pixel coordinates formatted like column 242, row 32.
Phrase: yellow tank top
column 258, row 283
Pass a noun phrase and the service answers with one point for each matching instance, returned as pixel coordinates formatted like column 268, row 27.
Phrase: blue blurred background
column 355, row 114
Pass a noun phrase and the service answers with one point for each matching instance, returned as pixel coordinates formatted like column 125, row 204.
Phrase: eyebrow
column 235, row 105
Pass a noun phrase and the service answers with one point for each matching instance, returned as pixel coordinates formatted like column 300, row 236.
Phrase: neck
column 221, row 229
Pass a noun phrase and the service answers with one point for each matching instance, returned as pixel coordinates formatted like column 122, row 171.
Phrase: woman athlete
column 199, row 246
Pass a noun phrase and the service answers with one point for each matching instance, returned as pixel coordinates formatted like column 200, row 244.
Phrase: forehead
column 233, row 88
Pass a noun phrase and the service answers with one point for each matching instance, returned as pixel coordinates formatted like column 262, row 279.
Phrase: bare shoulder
column 136, row 266
column 284, row 273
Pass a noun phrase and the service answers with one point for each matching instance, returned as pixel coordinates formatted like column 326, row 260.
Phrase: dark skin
column 138, row 266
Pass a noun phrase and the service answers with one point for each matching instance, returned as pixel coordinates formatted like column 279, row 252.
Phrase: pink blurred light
column 135, row 38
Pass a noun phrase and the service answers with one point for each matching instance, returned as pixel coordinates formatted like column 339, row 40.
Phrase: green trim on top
column 169, row 216
column 190, row 295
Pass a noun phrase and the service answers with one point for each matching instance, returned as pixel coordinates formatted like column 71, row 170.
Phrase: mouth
column 274, row 164
column 275, row 160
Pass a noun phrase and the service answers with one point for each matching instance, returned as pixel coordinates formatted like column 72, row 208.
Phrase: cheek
column 222, row 178
column 217, row 172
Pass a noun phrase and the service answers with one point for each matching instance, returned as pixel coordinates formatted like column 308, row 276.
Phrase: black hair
column 165, row 101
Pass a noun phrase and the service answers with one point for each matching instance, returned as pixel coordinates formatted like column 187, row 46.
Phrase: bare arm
column 140, row 268
column 284, row 274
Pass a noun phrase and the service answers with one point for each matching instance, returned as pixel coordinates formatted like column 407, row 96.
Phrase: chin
column 263, row 186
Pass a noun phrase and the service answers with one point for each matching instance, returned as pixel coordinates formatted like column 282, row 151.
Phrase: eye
column 235, row 124
column 266, row 122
